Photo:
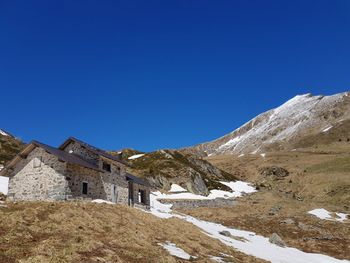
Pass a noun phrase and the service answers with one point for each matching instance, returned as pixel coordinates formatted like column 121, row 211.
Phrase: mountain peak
column 298, row 117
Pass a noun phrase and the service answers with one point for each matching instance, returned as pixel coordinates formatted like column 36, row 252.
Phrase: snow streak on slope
column 296, row 117
column 244, row 241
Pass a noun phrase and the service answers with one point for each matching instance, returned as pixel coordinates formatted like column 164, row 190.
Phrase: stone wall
column 218, row 202
column 40, row 176
column 78, row 149
column 134, row 193
column 99, row 184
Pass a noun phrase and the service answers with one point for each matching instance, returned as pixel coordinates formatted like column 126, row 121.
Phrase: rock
column 225, row 233
column 277, row 240
column 274, row 171
column 304, row 227
column 2, row 197
column 274, row 210
column 288, row 221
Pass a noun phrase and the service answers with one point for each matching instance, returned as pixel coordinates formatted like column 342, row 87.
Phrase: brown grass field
column 88, row 232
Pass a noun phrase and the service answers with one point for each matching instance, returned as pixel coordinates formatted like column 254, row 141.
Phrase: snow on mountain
column 303, row 114
column 3, row 133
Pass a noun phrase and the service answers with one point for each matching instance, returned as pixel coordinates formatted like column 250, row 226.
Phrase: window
column 106, row 167
column 37, row 162
column 85, row 188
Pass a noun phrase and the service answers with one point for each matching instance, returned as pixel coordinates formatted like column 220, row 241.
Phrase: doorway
column 114, row 193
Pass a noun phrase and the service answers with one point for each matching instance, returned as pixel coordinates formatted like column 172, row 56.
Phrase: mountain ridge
column 285, row 125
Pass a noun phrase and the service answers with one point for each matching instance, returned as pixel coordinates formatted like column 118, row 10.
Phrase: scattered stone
column 288, row 221
column 2, row 197
column 274, row 210
column 304, row 227
column 277, row 240
column 225, row 233
column 274, row 171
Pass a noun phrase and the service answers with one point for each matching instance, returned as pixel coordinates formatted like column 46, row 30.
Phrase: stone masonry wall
column 135, row 191
column 99, row 184
column 38, row 177
column 81, row 151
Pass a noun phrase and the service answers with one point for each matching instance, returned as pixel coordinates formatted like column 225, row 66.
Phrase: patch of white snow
column 136, row 156
column 175, row 251
column 326, row 215
column 327, row 129
column 177, row 188
column 4, row 184
column 101, row 201
column 3, row 133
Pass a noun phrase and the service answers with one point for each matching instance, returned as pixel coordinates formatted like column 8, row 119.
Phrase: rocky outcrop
column 274, row 171
column 164, row 167
column 277, row 240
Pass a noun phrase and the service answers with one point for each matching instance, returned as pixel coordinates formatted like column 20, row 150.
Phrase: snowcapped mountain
column 282, row 127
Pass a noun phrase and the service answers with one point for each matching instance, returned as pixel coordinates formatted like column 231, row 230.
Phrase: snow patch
column 326, row 215
column 241, row 155
column 4, row 184
column 101, row 201
column 245, row 241
column 263, row 155
column 175, row 251
column 327, row 129
column 3, row 133
column 136, row 156
column 238, row 188
column 177, row 188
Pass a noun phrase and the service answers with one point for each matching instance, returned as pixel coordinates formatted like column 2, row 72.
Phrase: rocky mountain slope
column 164, row 167
column 285, row 127
column 9, row 147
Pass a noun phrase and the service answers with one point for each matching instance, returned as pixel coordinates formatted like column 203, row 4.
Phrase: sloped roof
column 65, row 156
column 61, row 155
column 136, row 179
column 93, row 149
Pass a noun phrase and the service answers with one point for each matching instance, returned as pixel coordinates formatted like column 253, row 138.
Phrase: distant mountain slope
column 9, row 147
column 284, row 127
column 164, row 167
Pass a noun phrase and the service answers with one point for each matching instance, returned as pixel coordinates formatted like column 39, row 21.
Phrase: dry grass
column 88, row 232
column 316, row 174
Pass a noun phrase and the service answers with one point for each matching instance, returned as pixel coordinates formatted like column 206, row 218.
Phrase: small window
column 37, row 162
column 106, row 167
column 85, row 188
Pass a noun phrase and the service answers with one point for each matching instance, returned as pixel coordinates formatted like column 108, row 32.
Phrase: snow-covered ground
column 247, row 242
column 175, row 188
column 326, row 215
column 4, row 184
column 238, row 189
column 136, row 156
column 101, row 201
column 327, row 129
column 175, row 251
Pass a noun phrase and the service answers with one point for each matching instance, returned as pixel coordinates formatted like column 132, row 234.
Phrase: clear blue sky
column 162, row 74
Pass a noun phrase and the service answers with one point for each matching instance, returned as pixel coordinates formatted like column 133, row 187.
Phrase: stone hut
column 75, row 170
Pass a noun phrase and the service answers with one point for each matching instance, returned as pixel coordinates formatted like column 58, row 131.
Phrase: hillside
column 163, row 167
column 299, row 121
column 89, row 232
column 9, row 147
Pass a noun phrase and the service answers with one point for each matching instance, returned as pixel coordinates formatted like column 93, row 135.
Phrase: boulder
column 225, row 233
column 277, row 240
column 274, row 171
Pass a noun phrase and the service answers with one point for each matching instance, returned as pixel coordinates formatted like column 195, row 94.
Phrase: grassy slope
column 88, row 232
column 9, row 148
